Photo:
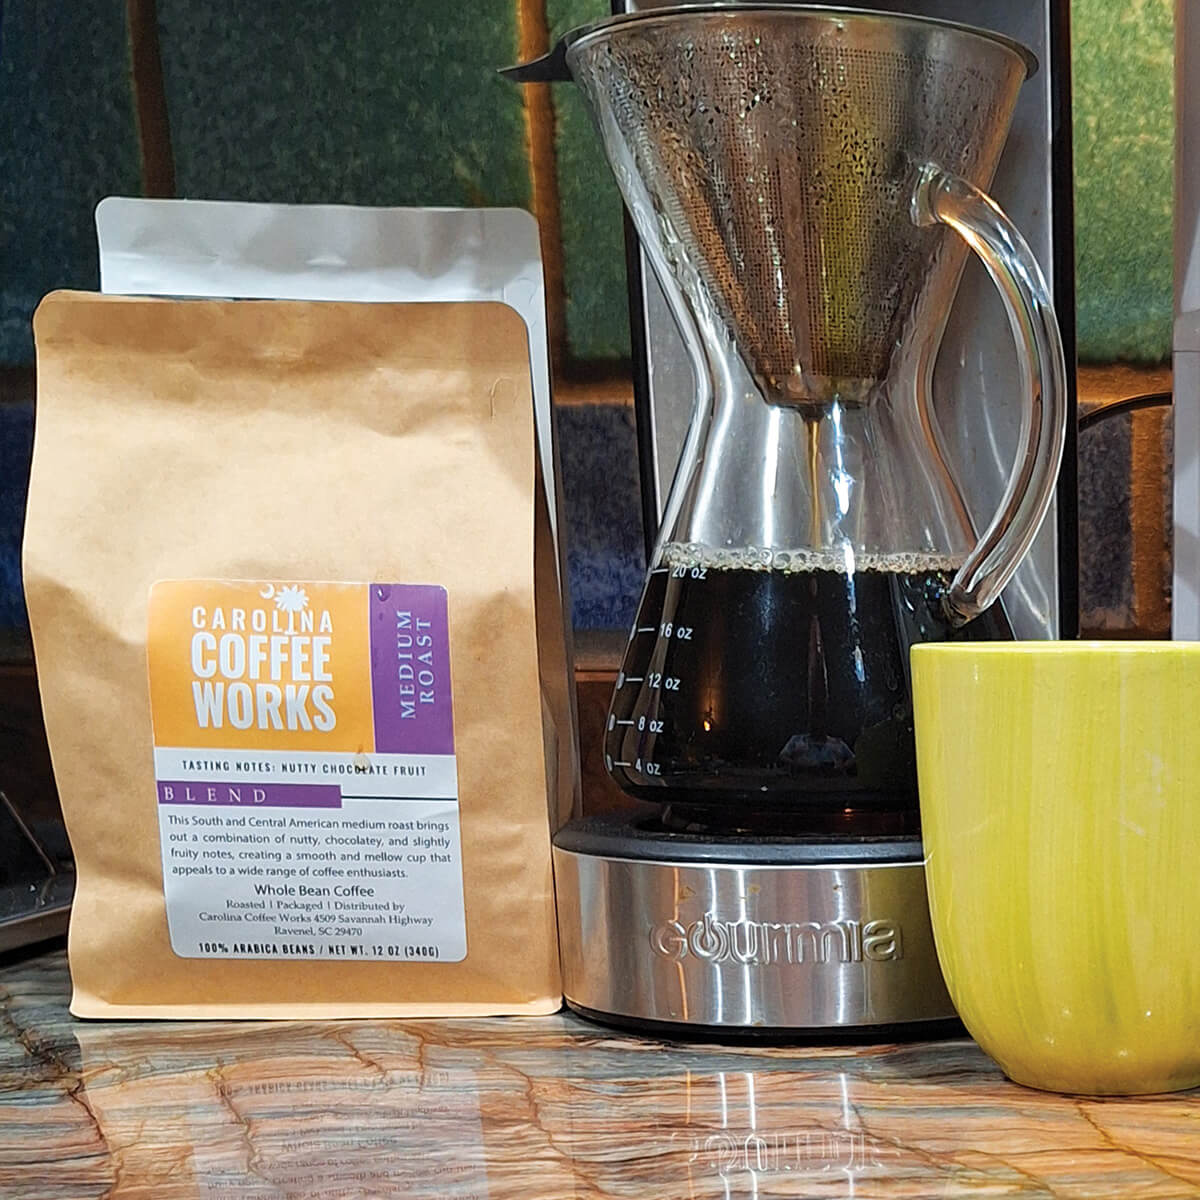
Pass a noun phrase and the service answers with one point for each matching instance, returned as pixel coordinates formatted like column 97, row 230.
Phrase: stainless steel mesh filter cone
column 779, row 147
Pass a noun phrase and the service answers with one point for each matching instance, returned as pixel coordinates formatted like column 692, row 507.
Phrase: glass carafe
column 797, row 177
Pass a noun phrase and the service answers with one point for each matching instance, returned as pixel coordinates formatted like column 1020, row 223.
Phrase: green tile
column 1124, row 163
column 591, row 213
column 323, row 101
column 70, row 139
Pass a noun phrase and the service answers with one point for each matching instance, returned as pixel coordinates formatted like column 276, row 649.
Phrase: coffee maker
column 1034, row 184
column 786, row 169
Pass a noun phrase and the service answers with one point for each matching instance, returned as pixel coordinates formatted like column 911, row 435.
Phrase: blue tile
column 71, row 139
column 605, row 550
column 1106, row 599
column 16, row 446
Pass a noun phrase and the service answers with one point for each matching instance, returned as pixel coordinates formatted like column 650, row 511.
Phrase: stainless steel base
column 744, row 937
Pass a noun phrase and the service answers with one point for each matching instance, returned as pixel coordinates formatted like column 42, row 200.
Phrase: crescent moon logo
column 267, row 591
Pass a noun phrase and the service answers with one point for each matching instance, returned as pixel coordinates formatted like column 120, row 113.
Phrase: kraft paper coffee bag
column 279, row 563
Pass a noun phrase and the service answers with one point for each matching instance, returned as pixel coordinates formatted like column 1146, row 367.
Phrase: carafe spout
column 550, row 67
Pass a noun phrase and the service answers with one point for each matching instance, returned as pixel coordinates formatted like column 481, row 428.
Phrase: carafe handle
column 943, row 197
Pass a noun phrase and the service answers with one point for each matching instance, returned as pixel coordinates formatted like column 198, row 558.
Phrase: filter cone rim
column 596, row 30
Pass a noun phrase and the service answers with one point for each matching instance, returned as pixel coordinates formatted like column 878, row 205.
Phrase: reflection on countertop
column 537, row 1109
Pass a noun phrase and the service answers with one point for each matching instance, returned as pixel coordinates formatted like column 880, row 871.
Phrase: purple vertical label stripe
column 410, row 669
column 251, row 795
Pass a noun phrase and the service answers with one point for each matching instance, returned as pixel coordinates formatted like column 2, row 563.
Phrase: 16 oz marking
column 682, row 632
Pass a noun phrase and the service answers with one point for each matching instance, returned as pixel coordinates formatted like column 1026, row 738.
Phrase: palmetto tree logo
column 288, row 597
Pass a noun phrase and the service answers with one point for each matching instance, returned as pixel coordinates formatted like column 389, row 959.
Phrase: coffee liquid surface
column 762, row 688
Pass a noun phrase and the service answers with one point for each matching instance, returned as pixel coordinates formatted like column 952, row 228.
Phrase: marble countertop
column 540, row 1109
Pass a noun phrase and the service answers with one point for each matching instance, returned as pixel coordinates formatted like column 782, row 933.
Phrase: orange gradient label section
column 260, row 666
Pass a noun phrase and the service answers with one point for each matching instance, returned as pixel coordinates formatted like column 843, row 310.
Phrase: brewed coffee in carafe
column 797, row 177
column 756, row 687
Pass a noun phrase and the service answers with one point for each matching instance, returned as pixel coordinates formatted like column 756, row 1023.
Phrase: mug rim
column 1082, row 648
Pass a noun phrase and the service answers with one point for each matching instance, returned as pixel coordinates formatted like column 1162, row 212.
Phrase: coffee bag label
column 305, row 769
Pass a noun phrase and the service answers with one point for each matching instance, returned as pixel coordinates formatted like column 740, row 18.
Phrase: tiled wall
column 381, row 102
column 70, row 138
